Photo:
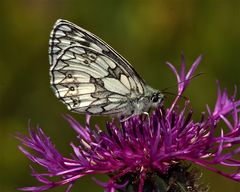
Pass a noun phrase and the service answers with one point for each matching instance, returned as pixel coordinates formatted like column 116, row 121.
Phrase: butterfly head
column 156, row 98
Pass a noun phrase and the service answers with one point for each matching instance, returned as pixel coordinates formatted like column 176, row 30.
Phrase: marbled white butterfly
column 89, row 76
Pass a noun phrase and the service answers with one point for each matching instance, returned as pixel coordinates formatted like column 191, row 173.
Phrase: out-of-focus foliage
column 147, row 33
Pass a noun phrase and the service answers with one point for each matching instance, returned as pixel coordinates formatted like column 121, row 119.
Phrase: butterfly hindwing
column 87, row 74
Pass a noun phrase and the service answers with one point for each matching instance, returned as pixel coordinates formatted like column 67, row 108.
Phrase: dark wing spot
column 85, row 43
column 97, row 81
column 92, row 56
column 86, row 62
column 115, row 73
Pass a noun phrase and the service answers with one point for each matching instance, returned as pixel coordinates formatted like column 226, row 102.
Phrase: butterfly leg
column 147, row 116
column 127, row 118
column 130, row 116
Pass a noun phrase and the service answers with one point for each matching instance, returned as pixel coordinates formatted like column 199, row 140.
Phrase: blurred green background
column 147, row 33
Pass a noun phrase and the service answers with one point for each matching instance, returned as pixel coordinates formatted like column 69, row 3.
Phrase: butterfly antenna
column 172, row 86
column 181, row 96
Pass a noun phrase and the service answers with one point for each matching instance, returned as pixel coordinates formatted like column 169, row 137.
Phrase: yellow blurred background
column 147, row 33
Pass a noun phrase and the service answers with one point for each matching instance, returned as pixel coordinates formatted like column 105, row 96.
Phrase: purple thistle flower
column 132, row 150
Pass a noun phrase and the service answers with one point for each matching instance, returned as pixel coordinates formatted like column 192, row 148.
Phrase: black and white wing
column 88, row 75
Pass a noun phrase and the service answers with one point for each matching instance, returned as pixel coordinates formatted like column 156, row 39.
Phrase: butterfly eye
column 155, row 98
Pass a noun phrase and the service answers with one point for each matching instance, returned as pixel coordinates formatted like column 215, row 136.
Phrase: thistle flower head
column 145, row 150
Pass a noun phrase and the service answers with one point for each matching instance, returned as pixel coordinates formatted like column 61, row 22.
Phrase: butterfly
column 89, row 76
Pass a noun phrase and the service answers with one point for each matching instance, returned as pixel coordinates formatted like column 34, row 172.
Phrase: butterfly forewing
column 88, row 75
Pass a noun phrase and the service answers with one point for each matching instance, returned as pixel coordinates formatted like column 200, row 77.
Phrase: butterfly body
column 90, row 77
